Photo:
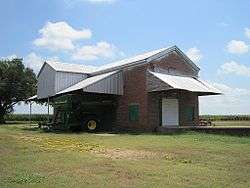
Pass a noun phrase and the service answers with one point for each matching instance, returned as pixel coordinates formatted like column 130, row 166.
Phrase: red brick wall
column 174, row 61
column 135, row 91
column 188, row 99
column 185, row 99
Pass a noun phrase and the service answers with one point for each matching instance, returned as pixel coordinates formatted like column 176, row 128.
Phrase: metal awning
column 108, row 83
column 187, row 83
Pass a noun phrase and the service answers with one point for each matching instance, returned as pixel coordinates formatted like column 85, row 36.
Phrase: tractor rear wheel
column 91, row 125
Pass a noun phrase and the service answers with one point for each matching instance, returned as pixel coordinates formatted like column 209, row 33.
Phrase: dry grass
column 131, row 154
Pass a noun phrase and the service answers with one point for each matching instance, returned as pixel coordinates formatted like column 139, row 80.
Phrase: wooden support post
column 30, row 111
column 48, row 110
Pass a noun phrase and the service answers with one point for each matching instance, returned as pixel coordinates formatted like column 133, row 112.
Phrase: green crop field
column 30, row 157
column 232, row 123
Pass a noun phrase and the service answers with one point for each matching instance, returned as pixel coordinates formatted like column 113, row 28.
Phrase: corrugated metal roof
column 76, row 68
column 87, row 82
column 127, row 61
column 145, row 57
column 186, row 83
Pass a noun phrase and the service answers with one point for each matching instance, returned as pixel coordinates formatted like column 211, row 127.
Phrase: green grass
column 32, row 158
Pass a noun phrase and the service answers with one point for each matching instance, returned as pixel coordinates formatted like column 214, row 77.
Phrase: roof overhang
column 66, row 67
column 108, row 83
column 33, row 98
column 186, row 83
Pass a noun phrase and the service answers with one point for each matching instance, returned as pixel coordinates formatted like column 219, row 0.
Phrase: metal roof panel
column 75, row 68
column 186, row 83
column 145, row 57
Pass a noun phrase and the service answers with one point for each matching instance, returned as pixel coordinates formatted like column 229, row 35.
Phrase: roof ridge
column 130, row 61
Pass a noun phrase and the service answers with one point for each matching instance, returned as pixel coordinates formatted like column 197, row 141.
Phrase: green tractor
column 82, row 112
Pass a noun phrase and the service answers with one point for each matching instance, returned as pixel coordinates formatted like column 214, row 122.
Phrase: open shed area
column 73, row 111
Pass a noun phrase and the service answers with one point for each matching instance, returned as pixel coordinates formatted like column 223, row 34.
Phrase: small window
column 133, row 112
column 171, row 70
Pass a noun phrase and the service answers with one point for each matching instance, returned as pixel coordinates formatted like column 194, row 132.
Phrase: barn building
column 150, row 91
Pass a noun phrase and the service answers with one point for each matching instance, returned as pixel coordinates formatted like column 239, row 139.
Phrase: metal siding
column 50, row 81
column 46, row 82
column 111, row 85
column 66, row 79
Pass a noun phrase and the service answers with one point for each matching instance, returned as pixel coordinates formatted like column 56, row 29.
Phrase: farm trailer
column 83, row 112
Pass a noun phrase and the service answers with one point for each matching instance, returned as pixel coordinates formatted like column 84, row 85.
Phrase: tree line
column 225, row 117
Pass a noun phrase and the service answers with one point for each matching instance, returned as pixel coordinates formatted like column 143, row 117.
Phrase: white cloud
column 247, row 32
column 194, row 54
column 237, row 47
column 9, row 57
column 35, row 61
column 32, row 60
column 93, row 52
column 60, row 36
column 233, row 101
column 223, row 24
column 234, row 68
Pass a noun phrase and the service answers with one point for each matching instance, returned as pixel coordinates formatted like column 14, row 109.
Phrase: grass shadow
column 239, row 132
column 115, row 132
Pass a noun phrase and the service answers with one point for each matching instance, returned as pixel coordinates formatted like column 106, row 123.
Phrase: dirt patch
column 64, row 144
column 130, row 154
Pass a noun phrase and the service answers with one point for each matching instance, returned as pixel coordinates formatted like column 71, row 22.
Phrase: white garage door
column 170, row 112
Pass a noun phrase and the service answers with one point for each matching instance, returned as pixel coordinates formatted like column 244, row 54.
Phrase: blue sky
column 215, row 34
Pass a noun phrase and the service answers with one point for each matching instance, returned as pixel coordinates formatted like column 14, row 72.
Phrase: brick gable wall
column 136, row 92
